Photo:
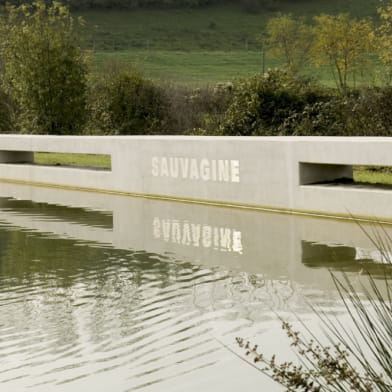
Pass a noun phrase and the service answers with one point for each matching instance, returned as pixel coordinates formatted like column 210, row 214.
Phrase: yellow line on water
column 215, row 203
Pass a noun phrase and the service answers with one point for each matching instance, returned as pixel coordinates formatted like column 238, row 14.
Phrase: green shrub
column 325, row 117
column 261, row 104
column 7, row 109
column 251, row 5
column 365, row 112
column 186, row 107
column 197, row 110
column 125, row 103
column 45, row 69
column 371, row 113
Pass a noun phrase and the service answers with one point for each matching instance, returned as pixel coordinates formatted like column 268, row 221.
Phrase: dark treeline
column 134, row 4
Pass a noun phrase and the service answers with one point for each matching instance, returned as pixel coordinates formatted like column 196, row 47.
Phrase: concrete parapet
column 308, row 175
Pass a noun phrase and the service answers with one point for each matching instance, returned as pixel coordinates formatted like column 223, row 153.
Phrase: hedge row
column 132, row 4
column 123, row 102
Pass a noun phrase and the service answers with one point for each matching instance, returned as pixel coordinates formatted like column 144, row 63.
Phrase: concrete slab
column 278, row 173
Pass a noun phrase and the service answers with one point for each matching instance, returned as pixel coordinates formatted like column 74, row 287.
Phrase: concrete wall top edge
column 312, row 149
column 16, row 137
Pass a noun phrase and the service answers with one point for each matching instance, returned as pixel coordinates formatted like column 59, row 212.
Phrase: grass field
column 203, row 45
column 209, row 67
column 190, row 67
column 49, row 158
column 219, row 28
column 373, row 175
column 202, row 67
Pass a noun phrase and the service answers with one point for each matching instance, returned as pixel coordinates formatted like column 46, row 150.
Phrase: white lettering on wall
column 198, row 235
column 154, row 165
column 219, row 170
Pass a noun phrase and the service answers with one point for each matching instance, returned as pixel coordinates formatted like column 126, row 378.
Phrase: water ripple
column 74, row 315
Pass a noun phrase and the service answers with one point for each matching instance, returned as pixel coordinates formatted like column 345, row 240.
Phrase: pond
column 105, row 292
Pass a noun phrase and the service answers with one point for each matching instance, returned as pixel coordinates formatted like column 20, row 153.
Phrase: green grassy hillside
column 214, row 28
column 200, row 67
column 199, row 45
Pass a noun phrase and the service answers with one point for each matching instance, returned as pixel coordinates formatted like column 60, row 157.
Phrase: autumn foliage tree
column 45, row 69
column 345, row 44
column 384, row 32
column 290, row 40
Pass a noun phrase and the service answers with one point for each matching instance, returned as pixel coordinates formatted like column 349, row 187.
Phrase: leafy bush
column 371, row 113
column 261, row 104
column 7, row 110
column 130, row 4
column 326, row 117
column 125, row 103
column 197, row 110
column 45, row 68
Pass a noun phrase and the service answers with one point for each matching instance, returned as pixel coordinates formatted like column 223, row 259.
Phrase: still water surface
column 110, row 293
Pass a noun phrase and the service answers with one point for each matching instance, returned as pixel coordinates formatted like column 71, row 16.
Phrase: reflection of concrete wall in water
column 321, row 255
column 57, row 212
column 198, row 235
column 278, row 246
column 345, row 258
column 281, row 173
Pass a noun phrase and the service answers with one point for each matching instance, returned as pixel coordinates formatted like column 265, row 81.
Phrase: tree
column 290, row 40
column 6, row 111
column 343, row 43
column 45, row 69
column 125, row 103
column 385, row 38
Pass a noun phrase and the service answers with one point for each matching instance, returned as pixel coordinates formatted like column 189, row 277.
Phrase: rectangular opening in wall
column 85, row 161
column 320, row 173
column 347, row 175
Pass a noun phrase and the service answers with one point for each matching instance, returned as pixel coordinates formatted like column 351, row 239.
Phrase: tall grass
column 357, row 358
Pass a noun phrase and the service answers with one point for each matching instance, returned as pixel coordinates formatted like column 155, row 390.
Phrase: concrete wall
column 282, row 173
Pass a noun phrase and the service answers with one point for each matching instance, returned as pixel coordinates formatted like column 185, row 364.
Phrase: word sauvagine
column 220, row 170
